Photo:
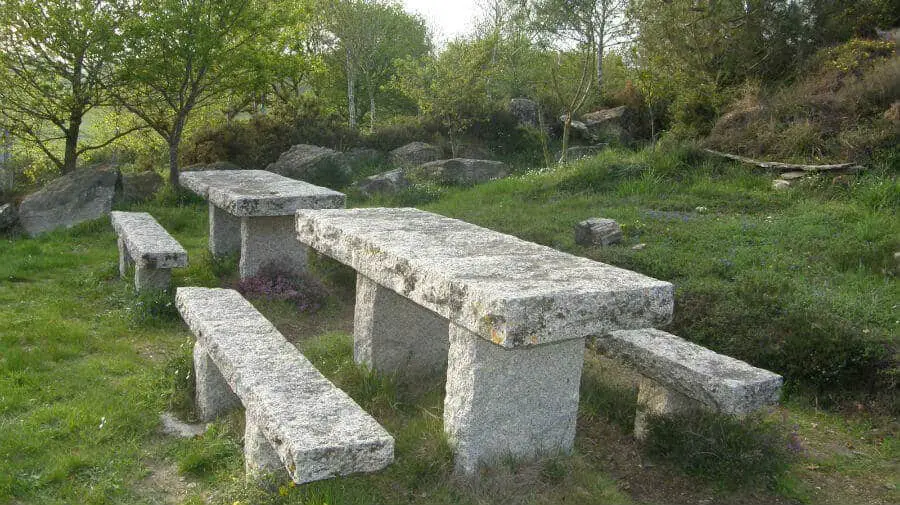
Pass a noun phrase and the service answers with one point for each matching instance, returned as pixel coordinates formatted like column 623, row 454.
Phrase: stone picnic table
column 508, row 319
column 253, row 211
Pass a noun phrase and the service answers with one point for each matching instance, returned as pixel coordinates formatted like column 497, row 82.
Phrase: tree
column 181, row 55
column 372, row 35
column 54, row 70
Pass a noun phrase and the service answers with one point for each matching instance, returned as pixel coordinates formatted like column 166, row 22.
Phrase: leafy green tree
column 54, row 67
column 182, row 55
column 372, row 35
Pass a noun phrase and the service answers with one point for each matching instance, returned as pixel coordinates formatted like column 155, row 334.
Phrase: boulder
column 71, row 199
column 781, row 185
column 216, row 165
column 579, row 130
column 8, row 216
column 459, row 171
column 314, row 164
column 608, row 124
column 140, row 186
column 361, row 157
column 598, row 231
column 387, row 183
column 413, row 155
column 526, row 111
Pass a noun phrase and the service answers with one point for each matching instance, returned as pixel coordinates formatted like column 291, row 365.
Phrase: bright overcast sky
column 447, row 18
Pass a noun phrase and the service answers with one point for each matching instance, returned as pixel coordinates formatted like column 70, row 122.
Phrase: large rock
column 414, row 154
column 608, row 124
column 578, row 152
column 314, row 164
column 598, row 231
column 387, row 183
column 459, row 171
column 526, row 111
column 69, row 200
column 578, row 129
column 8, row 216
column 141, row 186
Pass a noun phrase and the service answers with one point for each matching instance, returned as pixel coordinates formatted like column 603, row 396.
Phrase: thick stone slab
column 148, row 243
column 315, row 428
column 244, row 193
column 512, row 292
column 717, row 381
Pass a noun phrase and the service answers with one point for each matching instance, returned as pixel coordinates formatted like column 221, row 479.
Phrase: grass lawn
column 802, row 282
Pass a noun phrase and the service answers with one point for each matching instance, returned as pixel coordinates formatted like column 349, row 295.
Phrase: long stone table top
column 258, row 192
column 513, row 292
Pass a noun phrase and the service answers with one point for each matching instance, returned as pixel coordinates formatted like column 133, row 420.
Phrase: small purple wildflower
column 304, row 291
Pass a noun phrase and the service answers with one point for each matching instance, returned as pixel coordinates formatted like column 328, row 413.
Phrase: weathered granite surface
column 413, row 154
column 395, row 336
column 458, row 171
column 224, row 232
column 598, row 231
column 270, row 242
column 657, row 400
column 148, row 243
column 512, row 292
column 212, row 394
column 502, row 402
column 71, row 199
column 8, row 216
column 720, row 382
column 315, row 428
column 259, row 193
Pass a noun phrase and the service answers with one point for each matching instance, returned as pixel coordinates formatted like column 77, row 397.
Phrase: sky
column 447, row 18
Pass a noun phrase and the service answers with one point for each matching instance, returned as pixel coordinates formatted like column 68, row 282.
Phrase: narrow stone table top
column 727, row 384
column 148, row 243
column 512, row 292
column 259, row 193
column 317, row 429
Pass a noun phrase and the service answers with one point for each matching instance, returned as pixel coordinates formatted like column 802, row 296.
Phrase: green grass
column 86, row 366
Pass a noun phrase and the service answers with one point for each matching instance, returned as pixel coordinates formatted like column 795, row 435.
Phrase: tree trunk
column 174, row 141
column 371, row 110
column 567, row 128
column 351, row 96
column 70, row 159
column 599, row 69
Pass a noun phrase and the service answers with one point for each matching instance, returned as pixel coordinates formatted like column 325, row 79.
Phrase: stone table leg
column 518, row 403
column 656, row 400
column 270, row 241
column 214, row 395
column 260, row 458
column 151, row 279
column 393, row 335
column 124, row 258
column 224, row 232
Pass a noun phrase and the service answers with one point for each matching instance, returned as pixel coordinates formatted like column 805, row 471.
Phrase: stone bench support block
column 147, row 245
column 517, row 403
column 270, row 242
column 260, row 457
column 680, row 375
column 314, row 428
column 395, row 336
column 214, row 397
column 224, row 232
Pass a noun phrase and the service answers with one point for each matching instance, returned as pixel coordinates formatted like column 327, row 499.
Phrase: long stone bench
column 149, row 247
column 508, row 319
column 679, row 376
column 296, row 419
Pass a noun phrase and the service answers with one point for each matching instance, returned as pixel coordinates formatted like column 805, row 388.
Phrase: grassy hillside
column 802, row 282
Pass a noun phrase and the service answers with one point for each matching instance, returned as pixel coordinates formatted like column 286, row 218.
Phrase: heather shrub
column 304, row 291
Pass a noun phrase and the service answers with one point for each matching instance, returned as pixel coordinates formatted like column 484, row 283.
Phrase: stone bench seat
column 296, row 419
column 144, row 243
column 679, row 376
column 506, row 318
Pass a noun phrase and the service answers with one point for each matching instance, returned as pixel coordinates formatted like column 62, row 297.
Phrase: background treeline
column 168, row 82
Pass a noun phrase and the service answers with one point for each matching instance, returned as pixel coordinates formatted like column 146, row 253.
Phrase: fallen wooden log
column 786, row 167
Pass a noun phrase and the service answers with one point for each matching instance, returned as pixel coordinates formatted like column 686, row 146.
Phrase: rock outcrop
column 413, row 154
column 71, row 199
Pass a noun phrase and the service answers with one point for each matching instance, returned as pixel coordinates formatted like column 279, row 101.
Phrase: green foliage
column 732, row 452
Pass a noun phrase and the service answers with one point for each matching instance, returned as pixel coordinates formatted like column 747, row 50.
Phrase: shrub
column 733, row 452
column 304, row 291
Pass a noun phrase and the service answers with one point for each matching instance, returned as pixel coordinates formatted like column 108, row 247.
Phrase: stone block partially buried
column 517, row 403
column 598, row 231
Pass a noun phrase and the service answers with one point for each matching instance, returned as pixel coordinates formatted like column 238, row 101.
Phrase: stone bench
column 507, row 318
column 679, row 376
column 253, row 211
column 296, row 419
column 149, row 247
